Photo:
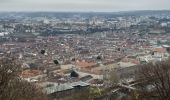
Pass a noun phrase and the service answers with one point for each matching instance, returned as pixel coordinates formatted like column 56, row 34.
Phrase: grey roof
column 126, row 64
column 79, row 83
column 55, row 87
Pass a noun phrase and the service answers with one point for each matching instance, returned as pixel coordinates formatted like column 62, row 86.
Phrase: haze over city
column 83, row 5
column 84, row 50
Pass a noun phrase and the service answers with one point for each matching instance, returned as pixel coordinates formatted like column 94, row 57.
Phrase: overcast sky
column 83, row 5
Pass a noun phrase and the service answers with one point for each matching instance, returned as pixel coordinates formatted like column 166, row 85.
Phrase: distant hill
column 87, row 14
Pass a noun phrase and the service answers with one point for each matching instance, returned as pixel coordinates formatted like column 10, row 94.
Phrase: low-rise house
column 125, row 71
column 63, row 91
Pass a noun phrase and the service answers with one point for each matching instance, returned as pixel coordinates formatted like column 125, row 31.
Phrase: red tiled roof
column 160, row 50
column 30, row 73
column 84, row 64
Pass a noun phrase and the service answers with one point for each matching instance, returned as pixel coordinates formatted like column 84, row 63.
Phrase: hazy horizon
column 83, row 5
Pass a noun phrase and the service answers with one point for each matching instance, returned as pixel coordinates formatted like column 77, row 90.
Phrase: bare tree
column 158, row 75
column 12, row 87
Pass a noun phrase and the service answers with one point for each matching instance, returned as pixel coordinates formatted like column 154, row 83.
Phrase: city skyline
column 83, row 5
